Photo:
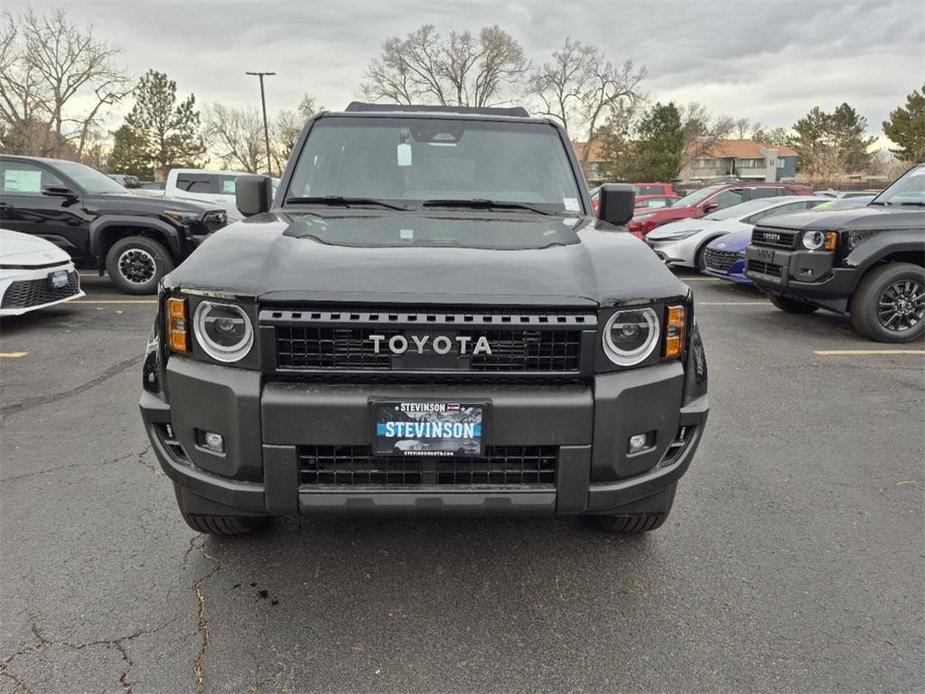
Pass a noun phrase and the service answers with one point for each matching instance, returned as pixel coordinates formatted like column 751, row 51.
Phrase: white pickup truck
column 215, row 187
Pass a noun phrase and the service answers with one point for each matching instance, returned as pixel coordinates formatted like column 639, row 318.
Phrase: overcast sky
column 767, row 60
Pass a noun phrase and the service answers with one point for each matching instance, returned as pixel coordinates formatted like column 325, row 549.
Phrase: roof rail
column 515, row 111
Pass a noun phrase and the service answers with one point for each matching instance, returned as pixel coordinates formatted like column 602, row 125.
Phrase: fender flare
column 169, row 234
column 881, row 244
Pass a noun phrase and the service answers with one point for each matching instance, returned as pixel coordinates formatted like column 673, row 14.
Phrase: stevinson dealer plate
column 428, row 428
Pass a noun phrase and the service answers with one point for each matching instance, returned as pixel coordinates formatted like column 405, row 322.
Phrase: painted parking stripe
column 733, row 303
column 867, row 352
column 12, row 355
column 116, row 301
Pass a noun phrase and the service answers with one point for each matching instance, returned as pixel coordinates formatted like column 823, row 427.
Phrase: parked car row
column 859, row 255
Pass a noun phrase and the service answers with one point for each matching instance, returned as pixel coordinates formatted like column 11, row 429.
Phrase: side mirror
column 709, row 207
column 617, row 202
column 58, row 192
column 253, row 194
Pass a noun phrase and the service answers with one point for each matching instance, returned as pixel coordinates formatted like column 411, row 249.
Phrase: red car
column 652, row 202
column 710, row 199
column 665, row 189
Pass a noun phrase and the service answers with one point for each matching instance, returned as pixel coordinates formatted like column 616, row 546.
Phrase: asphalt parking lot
column 793, row 560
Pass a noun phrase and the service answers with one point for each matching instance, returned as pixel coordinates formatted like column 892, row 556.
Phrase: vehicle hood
column 870, row 218
column 129, row 204
column 416, row 258
column 735, row 242
column 25, row 249
column 668, row 231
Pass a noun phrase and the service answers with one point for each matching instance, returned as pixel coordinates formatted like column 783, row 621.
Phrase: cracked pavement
column 793, row 560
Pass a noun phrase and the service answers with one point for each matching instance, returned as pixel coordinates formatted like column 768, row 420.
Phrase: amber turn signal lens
column 831, row 241
column 177, row 326
column 674, row 332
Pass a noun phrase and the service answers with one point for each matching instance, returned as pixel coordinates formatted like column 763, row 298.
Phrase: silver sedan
column 682, row 243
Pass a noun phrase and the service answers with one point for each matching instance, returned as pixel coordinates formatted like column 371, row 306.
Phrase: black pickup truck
column 427, row 318
column 867, row 262
column 101, row 224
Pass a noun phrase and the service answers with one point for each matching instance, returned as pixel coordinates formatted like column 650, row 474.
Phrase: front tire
column 889, row 303
column 221, row 525
column 635, row 523
column 791, row 305
column 136, row 264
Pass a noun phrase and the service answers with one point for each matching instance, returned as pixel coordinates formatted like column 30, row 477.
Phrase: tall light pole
column 263, row 102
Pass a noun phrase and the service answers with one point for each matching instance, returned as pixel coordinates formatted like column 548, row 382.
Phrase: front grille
column 342, row 339
column 764, row 268
column 501, row 466
column 719, row 260
column 213, row 221
column 775, row 238
column 27, row 293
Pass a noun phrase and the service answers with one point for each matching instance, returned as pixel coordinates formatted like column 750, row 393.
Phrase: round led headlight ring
column 223, row 331
column 813, row 240
column 630, row 336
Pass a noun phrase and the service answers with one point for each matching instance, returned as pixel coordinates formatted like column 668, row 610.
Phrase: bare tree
column 236, row 136
column 743, row 126
column 58, row 77
column 287, row 128
column 462, row 70
column 702, row 132
column 582, row 89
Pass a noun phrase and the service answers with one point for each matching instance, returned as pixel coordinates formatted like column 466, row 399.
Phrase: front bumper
column 266, row 425
column 26, row 289
column 735, row 273
column 673, row 252
column 806, row 275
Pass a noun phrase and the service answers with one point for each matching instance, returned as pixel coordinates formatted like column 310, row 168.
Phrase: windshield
column 90, row 180
column 743, row 209
column 908, row 189
column 413, row 161
column 692, row 199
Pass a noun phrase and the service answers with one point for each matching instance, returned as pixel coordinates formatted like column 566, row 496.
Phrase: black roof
column 359, row 106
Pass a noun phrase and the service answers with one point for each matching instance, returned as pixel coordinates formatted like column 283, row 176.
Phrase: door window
column 19, row 178
column 198, row 183
column 728, row 198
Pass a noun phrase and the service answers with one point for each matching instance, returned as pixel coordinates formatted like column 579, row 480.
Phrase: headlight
column 181, row 217
column 819, row 240
column 630, row 336
column 223, row 331
column 678, row 235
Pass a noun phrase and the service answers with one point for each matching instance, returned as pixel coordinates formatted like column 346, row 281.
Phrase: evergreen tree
column 170, row 129
column 846, row 131
column 906, row 128
column 128, row 154
column 656, row 154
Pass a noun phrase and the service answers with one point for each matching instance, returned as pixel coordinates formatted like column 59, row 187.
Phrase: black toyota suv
column 99, row 223
column 867, row 262
column 426, row 319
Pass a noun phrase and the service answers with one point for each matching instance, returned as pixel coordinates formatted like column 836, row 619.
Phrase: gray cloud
column 768, row 61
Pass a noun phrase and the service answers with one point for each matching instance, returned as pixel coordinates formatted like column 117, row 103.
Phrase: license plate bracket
column 416, row 428
column 58, row 279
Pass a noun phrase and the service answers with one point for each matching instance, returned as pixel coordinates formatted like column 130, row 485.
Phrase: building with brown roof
column 746, row 160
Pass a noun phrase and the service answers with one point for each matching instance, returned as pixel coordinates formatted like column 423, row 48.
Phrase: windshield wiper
column 479, row 203
column 913, row 204
column 341, row 201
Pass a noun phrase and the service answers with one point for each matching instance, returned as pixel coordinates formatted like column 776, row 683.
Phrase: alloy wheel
column 137, row 266
column 901, row 305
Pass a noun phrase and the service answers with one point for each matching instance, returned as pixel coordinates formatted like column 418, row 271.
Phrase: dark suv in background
column 137, row 240
column 867, row 262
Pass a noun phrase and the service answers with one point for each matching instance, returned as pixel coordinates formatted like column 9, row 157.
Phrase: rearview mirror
column 58, row 192
column 616, row 203
column 253, row 194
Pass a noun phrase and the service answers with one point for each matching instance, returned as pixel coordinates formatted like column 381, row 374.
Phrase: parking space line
column 867, row 352
column 12, row 355
column 733, row 303
column 115, row 301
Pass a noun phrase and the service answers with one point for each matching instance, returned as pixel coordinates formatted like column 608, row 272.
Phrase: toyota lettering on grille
column 771, row 236
column 440, row 344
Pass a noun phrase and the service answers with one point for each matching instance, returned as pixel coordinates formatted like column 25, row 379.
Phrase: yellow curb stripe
column 12, row 355
column 866, row 352
column 118, row 301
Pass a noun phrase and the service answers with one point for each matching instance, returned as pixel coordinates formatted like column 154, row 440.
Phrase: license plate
column 428, row 428
column 765, row 254
column 58, row 279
